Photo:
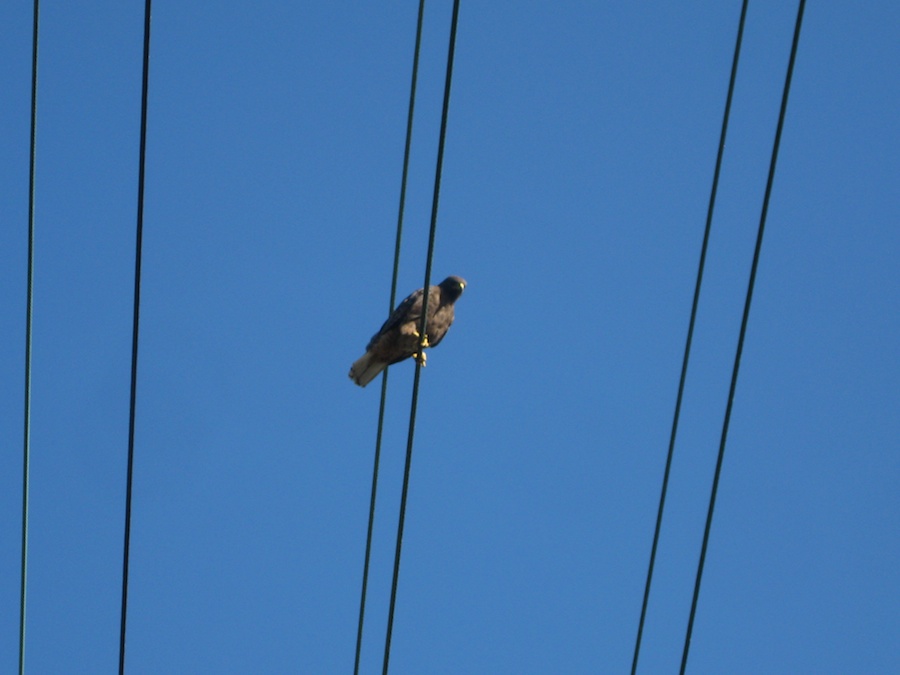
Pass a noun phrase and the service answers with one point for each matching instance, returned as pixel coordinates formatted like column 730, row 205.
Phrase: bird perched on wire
column 398, row 339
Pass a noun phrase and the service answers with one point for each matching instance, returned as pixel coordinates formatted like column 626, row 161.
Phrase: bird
column 398, row 338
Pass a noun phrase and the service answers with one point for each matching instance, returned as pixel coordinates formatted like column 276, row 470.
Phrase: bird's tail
column 365, row 368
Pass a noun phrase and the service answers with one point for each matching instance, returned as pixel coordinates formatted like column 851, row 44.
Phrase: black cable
column 29, row 312
column 422, row 334
column 135, row 332
column 690, row 333
column 744, row 321
column 384, row 380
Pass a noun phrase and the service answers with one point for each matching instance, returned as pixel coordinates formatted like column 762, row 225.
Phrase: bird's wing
column 408, row 310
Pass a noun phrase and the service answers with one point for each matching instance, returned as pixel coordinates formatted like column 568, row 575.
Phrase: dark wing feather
column 408, row 310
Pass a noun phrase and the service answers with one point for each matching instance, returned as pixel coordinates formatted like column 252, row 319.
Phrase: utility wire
column 29, row 312
column 426, row 287
column 690, row 333
column 135, row 332
column 744, row 321
column 384, row 380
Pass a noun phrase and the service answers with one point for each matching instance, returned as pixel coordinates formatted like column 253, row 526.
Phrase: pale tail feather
column 365, row 369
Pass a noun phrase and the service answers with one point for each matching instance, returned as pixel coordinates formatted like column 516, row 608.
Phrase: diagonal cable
column 135, row 330
column 422, row 334
column 690, row 333
column 384, row 380
column 29, row 313
column 745, row 319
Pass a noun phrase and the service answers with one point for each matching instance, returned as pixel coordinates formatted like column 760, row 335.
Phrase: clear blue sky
column 578, row 165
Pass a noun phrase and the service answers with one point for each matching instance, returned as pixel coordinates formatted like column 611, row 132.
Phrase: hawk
column 398, row 338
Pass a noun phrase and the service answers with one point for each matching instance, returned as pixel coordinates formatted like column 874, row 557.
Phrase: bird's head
column 452, row 288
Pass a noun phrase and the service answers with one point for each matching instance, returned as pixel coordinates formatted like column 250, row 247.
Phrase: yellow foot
column 416, row 333
column 420, row 358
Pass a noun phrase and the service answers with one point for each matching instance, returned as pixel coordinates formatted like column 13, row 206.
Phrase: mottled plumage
column 398, row 338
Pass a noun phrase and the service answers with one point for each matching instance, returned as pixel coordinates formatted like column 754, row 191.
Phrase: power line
column 384, row 380
column 422, row 334
column 29, row 313
column 744, row 321
column 690, row 333
column 135, row 329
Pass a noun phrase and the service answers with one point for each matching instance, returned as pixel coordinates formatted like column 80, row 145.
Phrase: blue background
column 580, row 152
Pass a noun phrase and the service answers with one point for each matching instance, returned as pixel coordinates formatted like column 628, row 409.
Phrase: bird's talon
column 417, row 334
